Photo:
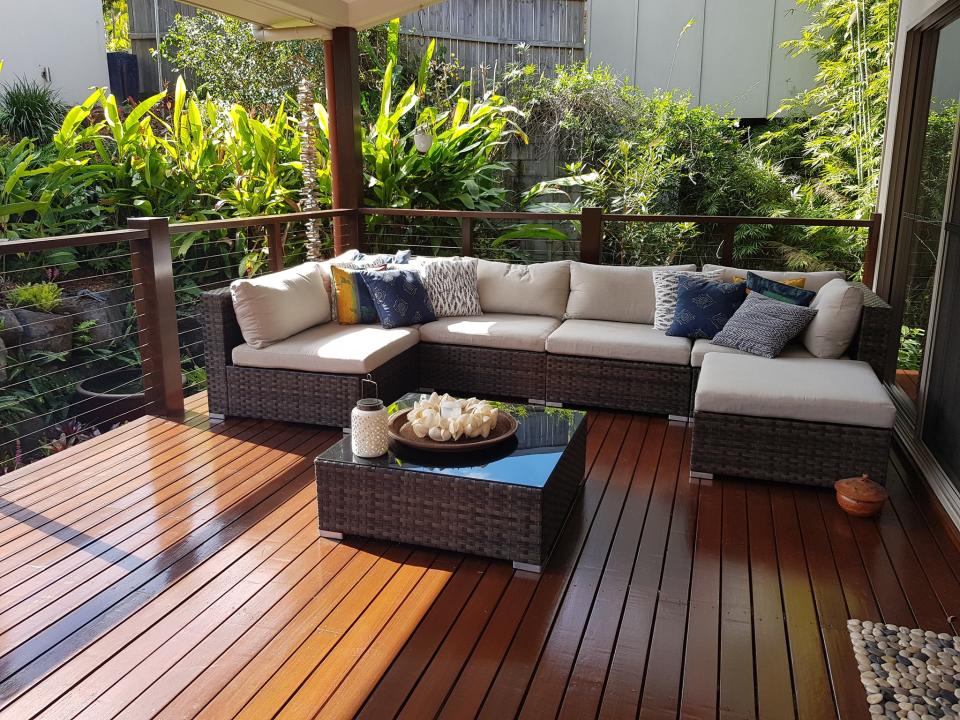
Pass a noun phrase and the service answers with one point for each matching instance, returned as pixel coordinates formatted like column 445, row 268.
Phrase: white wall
column 64, row 36
column 730, row 57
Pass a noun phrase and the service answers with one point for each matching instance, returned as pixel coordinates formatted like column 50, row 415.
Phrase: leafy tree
column 841, row 118
column 117, row 25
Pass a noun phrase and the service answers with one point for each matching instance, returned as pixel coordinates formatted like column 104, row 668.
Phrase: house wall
column 63, row 42
column 730, row 57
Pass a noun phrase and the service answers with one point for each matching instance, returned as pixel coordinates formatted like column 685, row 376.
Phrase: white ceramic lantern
column 368, row 426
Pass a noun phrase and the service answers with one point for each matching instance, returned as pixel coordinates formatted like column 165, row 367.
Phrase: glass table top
column 528, row 459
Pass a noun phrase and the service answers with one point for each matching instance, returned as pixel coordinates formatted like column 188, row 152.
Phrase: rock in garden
column 10, row 330
column 106, row 309
column 45, row 331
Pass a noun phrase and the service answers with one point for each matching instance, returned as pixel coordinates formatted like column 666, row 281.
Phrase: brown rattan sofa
column 516, row 356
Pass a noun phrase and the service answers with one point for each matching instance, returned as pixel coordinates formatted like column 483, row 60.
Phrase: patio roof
column 291, row 19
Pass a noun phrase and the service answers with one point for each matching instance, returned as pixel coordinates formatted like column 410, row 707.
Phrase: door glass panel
column 941, row 421
column 924, row 221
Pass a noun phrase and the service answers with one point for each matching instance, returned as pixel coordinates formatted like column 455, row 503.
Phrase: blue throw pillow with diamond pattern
column 400, row 297
column 704, row 306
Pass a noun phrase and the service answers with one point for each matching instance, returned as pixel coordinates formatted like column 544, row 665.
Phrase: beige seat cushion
column 331, row 348
column 539, row 289
column 844, row 392
column 702, row 346
column 618, row 341
column 839, row 306
column 493, row 330
column 609, row 292
column 813, row 280
column 275, row 306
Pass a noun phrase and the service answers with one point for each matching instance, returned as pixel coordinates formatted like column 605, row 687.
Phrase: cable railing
column 112, row 329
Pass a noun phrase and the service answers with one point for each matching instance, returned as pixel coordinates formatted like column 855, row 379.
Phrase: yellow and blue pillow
column 704, row 306
column 789, row 291
column 354, row 304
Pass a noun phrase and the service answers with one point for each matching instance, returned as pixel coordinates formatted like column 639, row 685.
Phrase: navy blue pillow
column 399, row 296
column 704, row 306
column 778, row 291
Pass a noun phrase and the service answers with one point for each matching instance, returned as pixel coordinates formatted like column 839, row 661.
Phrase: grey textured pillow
column 452, row 286
column 665, row 289
column 763, row 326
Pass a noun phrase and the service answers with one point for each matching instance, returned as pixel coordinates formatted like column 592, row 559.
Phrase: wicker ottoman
column 809, row 421
column 510, row 502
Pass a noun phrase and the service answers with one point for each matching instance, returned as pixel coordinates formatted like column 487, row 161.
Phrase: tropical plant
column 910, row 354
column 841, row 118
column 29, row 109
column 45, row 297
column 116, row 23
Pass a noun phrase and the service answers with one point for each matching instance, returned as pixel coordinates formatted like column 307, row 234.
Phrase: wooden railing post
column 466, row 236
column 156, row 309
column 728, row 235
column 870, row 251
column 591, row 235
column 275, row 246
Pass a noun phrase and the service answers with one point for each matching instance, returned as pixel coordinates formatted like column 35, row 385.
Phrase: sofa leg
column 679, row 418
column 535, row 401
column 217, row 417
column 694, row 475
column 554, row 404
column 331, row 535
column 528, row 567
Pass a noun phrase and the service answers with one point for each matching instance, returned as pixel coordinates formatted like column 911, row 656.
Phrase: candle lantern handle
column 365, row 384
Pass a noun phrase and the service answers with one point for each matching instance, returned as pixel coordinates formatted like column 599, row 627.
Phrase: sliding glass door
column 928, row 368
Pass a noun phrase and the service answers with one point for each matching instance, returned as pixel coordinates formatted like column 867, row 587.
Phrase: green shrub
column 910, row 354
column 29, row 109
column 43, row 297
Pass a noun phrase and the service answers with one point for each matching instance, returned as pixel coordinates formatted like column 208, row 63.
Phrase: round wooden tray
column 505, row 428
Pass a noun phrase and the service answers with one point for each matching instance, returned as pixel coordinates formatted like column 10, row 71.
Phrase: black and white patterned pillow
column 763, row 326
column 665, row 288
column 452, row 287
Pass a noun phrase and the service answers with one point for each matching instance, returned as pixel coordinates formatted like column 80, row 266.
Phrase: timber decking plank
column 737, row 680
column 831, row 606
column 811, row 678
column 774, row 683
column 662, row 682
column 701, row 667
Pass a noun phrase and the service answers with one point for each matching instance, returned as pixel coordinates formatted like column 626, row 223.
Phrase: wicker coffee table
column 508, row 502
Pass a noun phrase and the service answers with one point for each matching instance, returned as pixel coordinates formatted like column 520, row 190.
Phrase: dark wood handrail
column 617, row 217
column 255, row 221
column 55, row 242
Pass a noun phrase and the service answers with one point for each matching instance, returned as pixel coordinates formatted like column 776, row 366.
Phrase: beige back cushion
column 610, row 292
column 538, row 289
column 839, row 306
column 814, row 280
column 275, row 306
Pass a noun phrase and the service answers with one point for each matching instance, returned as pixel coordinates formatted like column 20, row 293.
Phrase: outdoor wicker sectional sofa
column 578, row 335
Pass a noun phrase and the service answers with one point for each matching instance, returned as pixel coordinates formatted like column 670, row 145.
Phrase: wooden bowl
column 860, row 496
column 400, row 431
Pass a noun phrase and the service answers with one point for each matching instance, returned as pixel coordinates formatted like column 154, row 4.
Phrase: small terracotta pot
column 860, row 496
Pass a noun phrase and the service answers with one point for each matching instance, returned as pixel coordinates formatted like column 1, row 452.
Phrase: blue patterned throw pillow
column 763, row 326
column 779, row 291
column 400, row 297
column 704, row 306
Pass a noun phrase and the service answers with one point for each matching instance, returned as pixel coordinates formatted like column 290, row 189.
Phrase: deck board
column 173, row 569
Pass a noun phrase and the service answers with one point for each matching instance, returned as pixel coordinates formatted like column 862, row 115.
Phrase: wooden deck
column 174, row 570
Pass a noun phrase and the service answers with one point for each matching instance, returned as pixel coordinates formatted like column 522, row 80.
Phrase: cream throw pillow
column 273, row 307
column 839, row 306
